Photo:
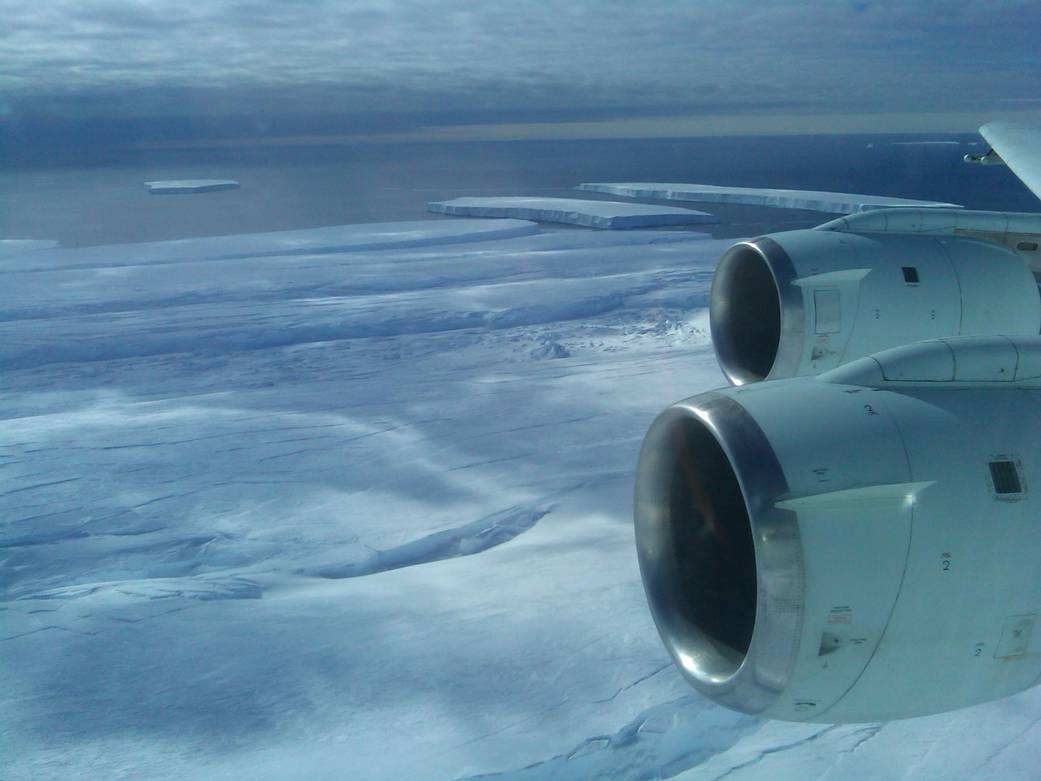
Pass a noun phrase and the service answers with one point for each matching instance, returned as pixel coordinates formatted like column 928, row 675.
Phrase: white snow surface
column 605, row 215
column 812, row 200
column 366, row 514
column 181, row 186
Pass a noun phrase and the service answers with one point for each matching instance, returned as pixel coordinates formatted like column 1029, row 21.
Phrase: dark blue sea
column 314, row 186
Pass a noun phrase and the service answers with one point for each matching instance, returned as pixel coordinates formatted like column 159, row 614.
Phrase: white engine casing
column 887, row 512
column 803, row 302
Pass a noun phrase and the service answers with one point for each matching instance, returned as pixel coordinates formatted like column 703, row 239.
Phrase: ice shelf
column 811, row 200
column 306, row 241
column 280, row 516
column 605, row 215
column 182, row 186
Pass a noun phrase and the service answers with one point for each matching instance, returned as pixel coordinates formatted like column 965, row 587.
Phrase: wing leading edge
column 1020, row 148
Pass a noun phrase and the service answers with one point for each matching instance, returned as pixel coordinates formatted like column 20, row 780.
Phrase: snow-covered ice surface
column 606, row 215
column 185, row 186
column 812, row 200
column 333, row 239
column 365, row 513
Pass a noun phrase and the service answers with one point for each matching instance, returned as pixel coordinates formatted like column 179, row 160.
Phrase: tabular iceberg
column 182, row 186
column 812, row 200
column 605, row 215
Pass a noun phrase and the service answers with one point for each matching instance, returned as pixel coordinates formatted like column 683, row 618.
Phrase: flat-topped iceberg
column 812, row 200
column 181, row 186
column 605, row 215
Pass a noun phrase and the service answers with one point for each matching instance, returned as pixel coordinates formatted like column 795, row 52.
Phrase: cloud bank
column 167, row 57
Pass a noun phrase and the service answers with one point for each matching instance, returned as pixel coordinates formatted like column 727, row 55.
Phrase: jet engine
column 861, row 545
column 802, row 302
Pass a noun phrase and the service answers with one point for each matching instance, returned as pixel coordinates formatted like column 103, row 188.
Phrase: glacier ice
column 311, row 241
column 605, row 215
column 812, row 200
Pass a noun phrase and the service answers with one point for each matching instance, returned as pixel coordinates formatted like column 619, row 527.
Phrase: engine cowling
column 857, row 546
column 803, row 302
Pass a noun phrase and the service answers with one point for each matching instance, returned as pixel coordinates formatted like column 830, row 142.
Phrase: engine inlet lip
column 792, row 323
column 766, row 668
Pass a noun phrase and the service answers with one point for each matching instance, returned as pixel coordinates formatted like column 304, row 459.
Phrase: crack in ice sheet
column 488, row 462
column 121, row 620
column 515, row 429
column 912, row 770
column 869, row 732
column 76, row 533
column 44, row 629
column 1003, row 748
column 132, row 601
column 480, row 535
column 514, row 724
column 561, row 703
column 775, row 750
column 233, row 432
column 637, row 682
column 660, row 742
column 298, row 452
column 38, row 485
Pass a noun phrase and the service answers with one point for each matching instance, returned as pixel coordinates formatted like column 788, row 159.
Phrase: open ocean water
column 315, row 186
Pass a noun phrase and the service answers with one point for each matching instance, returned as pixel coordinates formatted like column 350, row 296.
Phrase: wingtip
column 990, row 129
column 1002, row 125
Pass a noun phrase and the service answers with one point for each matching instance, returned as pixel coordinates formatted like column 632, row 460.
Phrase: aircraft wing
column 1020, row 148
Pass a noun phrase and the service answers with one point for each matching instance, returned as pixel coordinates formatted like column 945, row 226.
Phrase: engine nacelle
column 806, row 301
column 859, row 546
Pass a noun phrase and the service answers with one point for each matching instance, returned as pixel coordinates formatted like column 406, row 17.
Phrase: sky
column 167, row 71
